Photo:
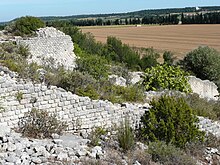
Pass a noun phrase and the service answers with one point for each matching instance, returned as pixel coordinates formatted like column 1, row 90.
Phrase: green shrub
column 168, row 154
column 40, row 124
column 25, row 26
column 166, row 77
column 204, row 63
column 171, row 120
column 93, row 65
column 125, row 135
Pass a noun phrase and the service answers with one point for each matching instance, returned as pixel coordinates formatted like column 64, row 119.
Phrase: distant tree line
column 208, row 18
column 168, row 19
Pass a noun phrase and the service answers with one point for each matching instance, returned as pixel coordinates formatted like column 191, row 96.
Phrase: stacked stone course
column 81, row 113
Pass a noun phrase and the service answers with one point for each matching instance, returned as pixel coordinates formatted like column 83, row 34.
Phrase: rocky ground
column 71, row 149
column 65, row 149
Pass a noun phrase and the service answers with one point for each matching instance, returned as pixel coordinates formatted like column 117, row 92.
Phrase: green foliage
column 166, row 77
column 204, row 107
column 25, row 26
column 95, row 136
column 125, row 135
column 19, row 96
column 94, row 65
column 40, row 124
column 88, row 91
column 113, row 51
column 149, row 58
column 168, row 154
column 204, row 63
column 168, row 58
column 119, row 94
column 171, row 120
column 23, row 51
column 122, row 53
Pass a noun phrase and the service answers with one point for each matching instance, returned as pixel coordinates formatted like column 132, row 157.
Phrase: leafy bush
column 171, row 120
column 40, row 124
column 125, row 135
column 25, row 26
column 204, row 63
column 168, row 154
column 166, row 77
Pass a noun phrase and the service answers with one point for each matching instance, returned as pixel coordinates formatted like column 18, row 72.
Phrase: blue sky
column 10, row 9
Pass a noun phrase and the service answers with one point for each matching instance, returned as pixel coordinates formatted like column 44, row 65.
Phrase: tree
column 204, row 63
column 126, row 21
column 25, row 25
column 170, row 120
column 166, row 77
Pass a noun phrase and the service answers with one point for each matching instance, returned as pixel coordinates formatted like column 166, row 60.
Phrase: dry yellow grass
column 179, row 39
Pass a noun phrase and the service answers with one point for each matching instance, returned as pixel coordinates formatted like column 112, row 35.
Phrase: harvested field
column 179, row 39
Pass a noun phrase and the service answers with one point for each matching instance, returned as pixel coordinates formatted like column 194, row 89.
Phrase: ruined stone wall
column 205, row 88
column 81, row 113
column 51, row 44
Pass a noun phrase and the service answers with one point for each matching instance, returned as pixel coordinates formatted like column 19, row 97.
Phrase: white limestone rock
column 116, row 80
column 51, row 46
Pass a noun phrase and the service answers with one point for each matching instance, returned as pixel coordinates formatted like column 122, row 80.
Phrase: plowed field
column 179, row 39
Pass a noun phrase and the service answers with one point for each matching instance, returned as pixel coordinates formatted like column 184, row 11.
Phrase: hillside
column 114, row 123
column 140, row 13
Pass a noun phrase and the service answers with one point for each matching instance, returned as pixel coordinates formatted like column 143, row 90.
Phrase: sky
column 10, row 9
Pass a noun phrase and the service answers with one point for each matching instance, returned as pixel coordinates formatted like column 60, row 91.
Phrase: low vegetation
column 40, row 124
column 95, row 136
column 204, row 107
column 126, row 135
column 169, row 154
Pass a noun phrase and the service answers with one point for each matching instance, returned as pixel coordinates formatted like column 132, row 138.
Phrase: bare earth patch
column 179, row 39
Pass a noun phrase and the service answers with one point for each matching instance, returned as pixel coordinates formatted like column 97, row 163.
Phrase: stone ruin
column 204, row 88
column 51, row 46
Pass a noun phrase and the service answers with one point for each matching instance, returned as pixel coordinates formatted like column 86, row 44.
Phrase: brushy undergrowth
column 169, row 154
column 204, row 107
column 40, row 124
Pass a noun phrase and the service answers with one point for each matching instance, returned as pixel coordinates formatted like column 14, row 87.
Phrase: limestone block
column 205, row 88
